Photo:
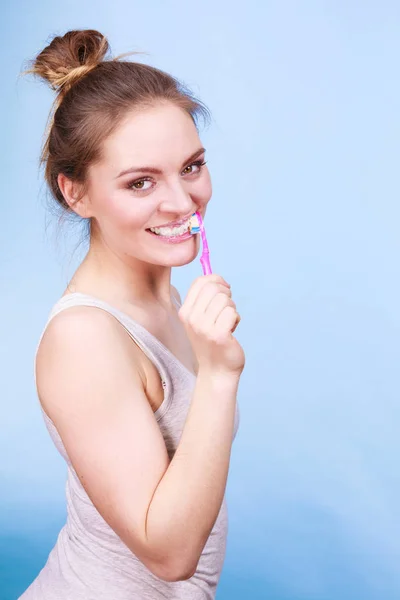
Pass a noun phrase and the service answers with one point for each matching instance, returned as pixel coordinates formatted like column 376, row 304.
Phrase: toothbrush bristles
column 194, row 224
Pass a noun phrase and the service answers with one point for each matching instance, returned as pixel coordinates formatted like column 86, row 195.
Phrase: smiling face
column 151, row 175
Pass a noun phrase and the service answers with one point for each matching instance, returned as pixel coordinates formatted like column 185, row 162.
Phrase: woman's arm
column 91, row 386
column 188, row 498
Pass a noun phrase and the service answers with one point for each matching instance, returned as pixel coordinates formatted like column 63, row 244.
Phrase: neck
column 128, row 280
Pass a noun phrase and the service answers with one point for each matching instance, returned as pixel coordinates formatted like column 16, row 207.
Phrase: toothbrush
column 196, row 225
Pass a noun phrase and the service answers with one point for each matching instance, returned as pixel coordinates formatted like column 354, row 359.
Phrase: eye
column 194, row 167
column 140, row 185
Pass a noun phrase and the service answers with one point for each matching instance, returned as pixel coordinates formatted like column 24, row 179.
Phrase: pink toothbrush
column 196, row 225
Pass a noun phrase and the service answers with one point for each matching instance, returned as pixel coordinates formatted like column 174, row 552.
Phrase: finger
column 195, row 289
column 205, row 297
column 226, row 322
column 215, row 308
column 238, row 319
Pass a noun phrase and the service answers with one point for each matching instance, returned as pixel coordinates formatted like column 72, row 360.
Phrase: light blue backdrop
column 304, row 223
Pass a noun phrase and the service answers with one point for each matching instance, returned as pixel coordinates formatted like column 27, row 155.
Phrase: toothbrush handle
column 205, row 256
column 205, row 263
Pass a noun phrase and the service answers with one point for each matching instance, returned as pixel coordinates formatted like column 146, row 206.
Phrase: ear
column 74, row 196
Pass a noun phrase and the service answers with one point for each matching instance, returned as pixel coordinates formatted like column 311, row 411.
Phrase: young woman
column 138, row 390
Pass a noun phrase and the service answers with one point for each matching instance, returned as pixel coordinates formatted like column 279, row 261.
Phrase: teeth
column 171, row 231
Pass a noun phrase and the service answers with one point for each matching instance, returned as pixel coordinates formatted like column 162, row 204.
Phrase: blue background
column 304, row 223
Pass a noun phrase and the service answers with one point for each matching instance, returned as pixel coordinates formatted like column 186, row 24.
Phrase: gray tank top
column 89, row 561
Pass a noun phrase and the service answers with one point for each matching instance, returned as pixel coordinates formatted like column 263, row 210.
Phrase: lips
column 172, row 224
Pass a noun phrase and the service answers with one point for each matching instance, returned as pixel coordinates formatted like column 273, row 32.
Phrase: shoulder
column 77, row 327
column 82, row 344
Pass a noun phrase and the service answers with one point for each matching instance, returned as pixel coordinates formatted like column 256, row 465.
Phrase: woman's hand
column 210, row 318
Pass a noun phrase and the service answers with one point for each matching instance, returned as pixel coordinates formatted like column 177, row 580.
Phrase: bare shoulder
column 77, row 322
column 82, row 343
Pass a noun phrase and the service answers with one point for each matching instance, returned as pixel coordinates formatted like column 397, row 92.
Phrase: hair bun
column 68, row 58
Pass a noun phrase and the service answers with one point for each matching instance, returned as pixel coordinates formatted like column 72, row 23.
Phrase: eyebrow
column 158, row 171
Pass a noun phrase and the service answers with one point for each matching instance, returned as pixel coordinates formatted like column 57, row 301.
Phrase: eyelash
column 197, row 163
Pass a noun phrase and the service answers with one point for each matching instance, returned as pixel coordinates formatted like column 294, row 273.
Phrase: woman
column 137, row 389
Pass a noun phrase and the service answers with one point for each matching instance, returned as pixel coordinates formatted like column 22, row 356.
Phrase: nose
column 176, row 200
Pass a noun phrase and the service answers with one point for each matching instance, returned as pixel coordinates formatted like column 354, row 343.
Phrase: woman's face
column 150, row 176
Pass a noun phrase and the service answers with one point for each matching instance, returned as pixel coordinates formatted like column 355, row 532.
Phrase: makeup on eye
column 142, row 180
column 196, row 163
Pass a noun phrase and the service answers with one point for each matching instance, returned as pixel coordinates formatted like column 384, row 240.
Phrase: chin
column 181, row 263
column 168, row 254
column 177, row 259
column 177, row 255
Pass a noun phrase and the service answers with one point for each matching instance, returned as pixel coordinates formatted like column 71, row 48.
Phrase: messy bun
column 94, row 96
column 68, row 58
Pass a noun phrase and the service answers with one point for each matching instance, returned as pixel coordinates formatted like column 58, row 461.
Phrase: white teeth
column 171, row 231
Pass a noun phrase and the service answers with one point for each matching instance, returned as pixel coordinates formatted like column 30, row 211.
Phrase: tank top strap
column 148, row 343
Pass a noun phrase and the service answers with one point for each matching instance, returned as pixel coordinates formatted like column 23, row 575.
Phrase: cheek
column 124, row 210
column 204, row 190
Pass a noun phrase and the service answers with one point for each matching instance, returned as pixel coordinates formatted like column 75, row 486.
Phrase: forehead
column 154, row 136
